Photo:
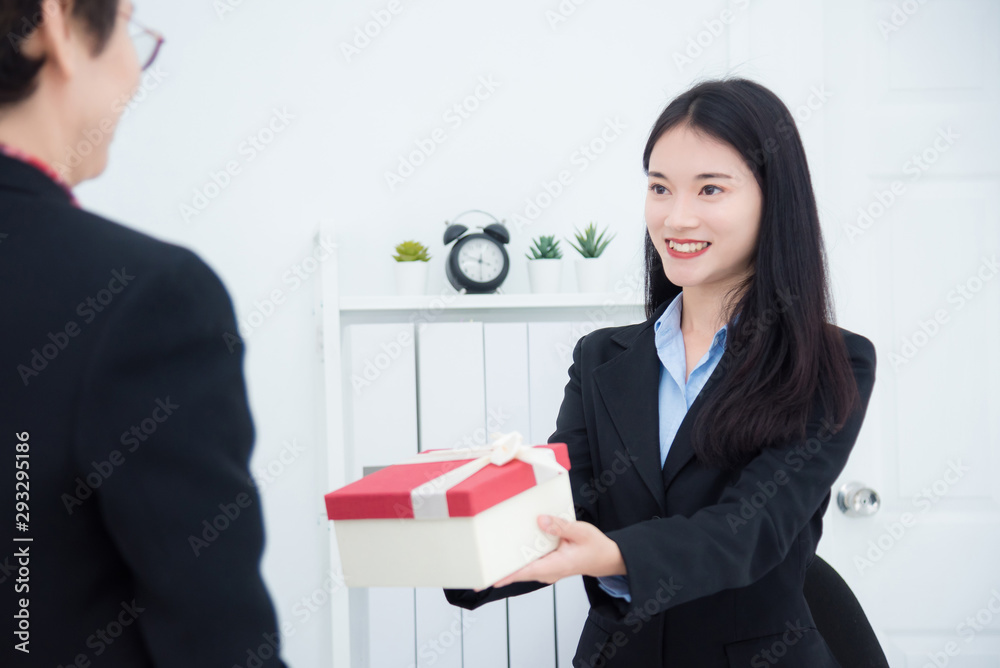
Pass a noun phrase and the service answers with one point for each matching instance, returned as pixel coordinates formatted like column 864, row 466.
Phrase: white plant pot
column 545, row 275
column 411, row 278
column 592, row 274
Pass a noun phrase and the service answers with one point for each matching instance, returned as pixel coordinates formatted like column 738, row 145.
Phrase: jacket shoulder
column 105, row 237
column 602, row 344
column 858, row 345
column 135, row 278
column 620, row 335
column 87, row 246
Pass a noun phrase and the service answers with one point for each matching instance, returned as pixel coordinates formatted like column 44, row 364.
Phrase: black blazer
column 716, row 561
column 145, row 526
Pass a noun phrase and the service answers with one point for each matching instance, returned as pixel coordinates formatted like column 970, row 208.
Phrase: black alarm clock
column 478, row 262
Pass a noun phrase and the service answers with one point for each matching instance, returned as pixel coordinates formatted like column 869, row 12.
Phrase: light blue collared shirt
column 675, row 395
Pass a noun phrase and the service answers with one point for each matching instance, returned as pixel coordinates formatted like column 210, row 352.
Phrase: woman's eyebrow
column 700, row 176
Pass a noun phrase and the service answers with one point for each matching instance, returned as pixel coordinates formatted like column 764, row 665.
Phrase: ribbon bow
column 430, row 500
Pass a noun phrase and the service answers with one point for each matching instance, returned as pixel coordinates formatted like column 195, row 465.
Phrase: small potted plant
column 545, row 265
column 411, row 268
column 591, row 268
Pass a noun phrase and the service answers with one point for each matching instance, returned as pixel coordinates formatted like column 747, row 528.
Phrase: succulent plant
column 591, row 244
column 545, row 248
column 411, row 251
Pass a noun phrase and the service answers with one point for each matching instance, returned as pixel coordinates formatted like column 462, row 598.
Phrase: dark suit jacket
column 145, row 526
column 716, row 561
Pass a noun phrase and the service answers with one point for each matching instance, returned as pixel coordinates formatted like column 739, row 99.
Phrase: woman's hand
column 583, row 550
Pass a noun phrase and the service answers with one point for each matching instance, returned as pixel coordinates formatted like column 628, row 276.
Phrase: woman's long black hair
column 784, row 344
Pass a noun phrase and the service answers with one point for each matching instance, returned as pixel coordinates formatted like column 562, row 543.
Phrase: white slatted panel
column 530, row 618
column 382, row 363
column 571, row 607
column 550, row 355
column 452, row 407
column 454, row 385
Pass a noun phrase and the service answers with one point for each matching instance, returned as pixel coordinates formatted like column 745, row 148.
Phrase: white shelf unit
column 455, row 301
column 462, row 356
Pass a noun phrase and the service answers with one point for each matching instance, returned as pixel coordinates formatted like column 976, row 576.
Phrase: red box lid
column 386, row 494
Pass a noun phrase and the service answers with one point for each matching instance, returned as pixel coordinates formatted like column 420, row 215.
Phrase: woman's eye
column 660, row 190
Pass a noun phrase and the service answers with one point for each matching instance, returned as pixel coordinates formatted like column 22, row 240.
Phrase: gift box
column 454, row 518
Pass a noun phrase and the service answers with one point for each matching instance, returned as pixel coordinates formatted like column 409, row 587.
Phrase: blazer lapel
column 629, row 385
column 681, row 451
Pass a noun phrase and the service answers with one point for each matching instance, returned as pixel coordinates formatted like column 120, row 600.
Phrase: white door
column 907, row 175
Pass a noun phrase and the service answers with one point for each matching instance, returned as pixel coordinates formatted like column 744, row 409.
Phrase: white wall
column 557, row 86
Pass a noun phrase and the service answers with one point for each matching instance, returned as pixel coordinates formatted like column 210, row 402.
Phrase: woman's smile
column 685, row 248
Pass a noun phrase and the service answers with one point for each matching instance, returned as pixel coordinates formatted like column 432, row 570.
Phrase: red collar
column 41, row 166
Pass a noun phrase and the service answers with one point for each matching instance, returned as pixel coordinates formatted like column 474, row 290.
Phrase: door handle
column 856, row 499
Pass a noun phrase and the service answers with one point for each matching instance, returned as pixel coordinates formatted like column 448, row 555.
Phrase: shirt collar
column 41, row 166
column 668, row 325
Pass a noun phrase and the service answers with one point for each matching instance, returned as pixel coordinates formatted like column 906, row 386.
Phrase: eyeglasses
column 146, row 41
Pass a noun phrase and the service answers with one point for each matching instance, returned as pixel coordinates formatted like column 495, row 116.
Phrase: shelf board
column 456, row 301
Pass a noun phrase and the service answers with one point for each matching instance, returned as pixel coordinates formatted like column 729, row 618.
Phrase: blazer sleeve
column 676, row 559
column 165, row 390
column 571, row 430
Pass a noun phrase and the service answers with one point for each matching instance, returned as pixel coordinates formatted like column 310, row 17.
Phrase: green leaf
column 411, row 251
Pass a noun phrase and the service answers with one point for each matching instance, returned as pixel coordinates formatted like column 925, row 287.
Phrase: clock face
column 481, row 260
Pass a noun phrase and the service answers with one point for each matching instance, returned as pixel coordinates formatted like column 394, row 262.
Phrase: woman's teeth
column 688, row 248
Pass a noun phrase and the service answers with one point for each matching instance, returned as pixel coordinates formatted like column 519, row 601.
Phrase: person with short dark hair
column 133, row 531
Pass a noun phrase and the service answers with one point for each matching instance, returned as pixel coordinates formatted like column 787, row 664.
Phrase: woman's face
column 700, row 189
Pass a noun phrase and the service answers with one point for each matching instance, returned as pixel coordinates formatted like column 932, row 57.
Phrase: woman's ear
column 55, row 39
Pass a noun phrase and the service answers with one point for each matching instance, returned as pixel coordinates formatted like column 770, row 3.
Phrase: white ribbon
column 430, row 500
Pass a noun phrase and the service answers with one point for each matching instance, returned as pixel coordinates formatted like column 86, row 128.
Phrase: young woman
column 735, row 405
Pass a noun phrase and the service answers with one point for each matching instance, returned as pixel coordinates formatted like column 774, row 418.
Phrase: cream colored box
column 442, row 533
